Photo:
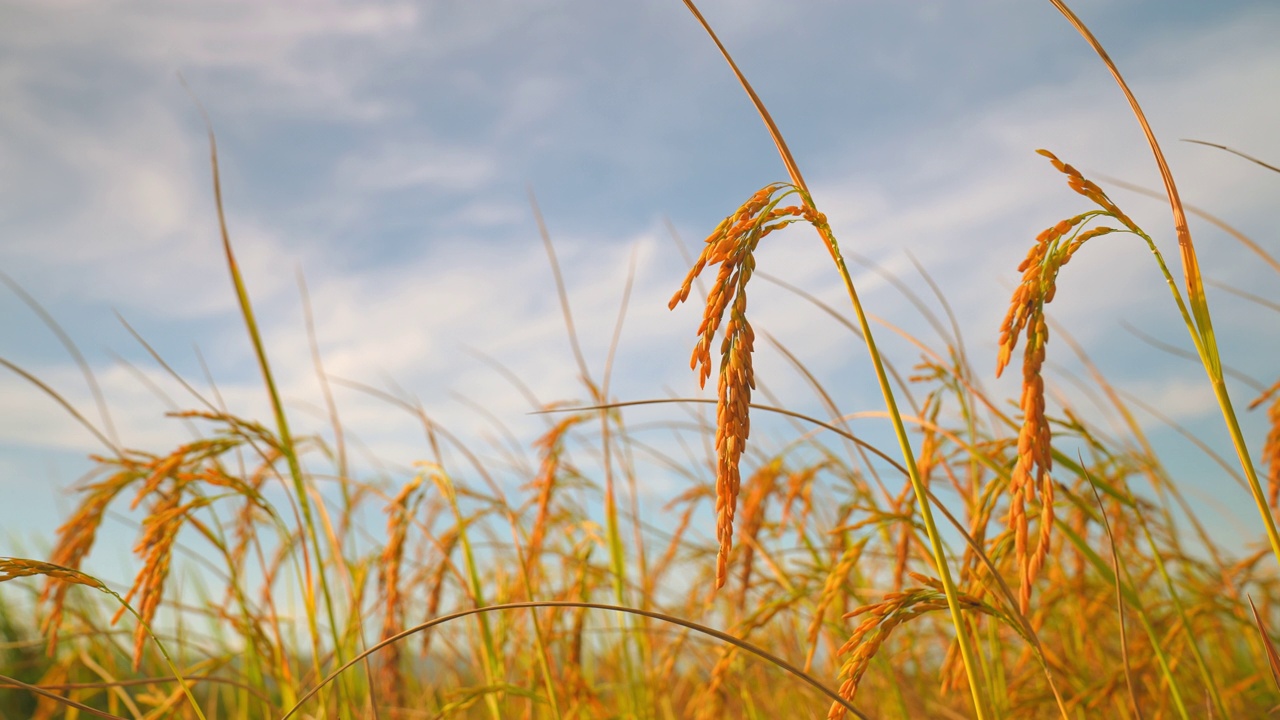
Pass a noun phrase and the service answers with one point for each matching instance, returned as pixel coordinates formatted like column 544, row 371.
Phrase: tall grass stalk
column 1200, row 323
column 301, row 491
column 941, row 563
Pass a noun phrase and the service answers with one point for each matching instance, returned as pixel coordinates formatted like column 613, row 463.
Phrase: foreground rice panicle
column 1032, row 474
column 731, row 246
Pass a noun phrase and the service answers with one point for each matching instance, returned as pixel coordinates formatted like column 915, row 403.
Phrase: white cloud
column 428, row 166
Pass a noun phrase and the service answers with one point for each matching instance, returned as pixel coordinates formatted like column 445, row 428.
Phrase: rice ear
column 731, row 246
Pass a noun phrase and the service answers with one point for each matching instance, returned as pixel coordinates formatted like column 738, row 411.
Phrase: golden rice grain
column 880, row 620
column 1031, row 479
column 75, row 540
column 159, row 531
column 731, row 246
column 12, row 568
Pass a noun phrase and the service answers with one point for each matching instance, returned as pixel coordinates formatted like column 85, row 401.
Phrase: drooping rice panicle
column 75, row 539
column 1031, row 479
column 155, row 547
column 12, row 568
column 880, row 621
column 731, row 246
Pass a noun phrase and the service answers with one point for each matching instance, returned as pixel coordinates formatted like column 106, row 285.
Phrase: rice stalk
column 1198, row 321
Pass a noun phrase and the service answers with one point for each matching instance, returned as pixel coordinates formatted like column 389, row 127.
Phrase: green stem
column 1207, row 348
column 282, row 425
column 917, row 482
column 1242, row 450
column 1199, row 322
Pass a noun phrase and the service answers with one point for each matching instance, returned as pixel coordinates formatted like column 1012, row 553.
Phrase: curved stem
column 1201, row 325
column 917, row 483
column 723, row 636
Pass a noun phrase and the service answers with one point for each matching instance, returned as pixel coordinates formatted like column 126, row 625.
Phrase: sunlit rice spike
column 12, row 568
column 731, row 246
column 1031, row 479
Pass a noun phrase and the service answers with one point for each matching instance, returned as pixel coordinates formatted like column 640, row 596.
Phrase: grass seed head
column 879, row 621
column 1031, row 479
column 731, row 246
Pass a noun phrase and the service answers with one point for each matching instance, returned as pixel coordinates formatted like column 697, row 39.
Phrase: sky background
column 386, row 150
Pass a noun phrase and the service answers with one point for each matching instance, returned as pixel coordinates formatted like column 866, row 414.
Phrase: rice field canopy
column 868, row 518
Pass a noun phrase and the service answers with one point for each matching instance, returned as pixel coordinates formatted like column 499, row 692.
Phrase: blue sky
column 386, row 150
